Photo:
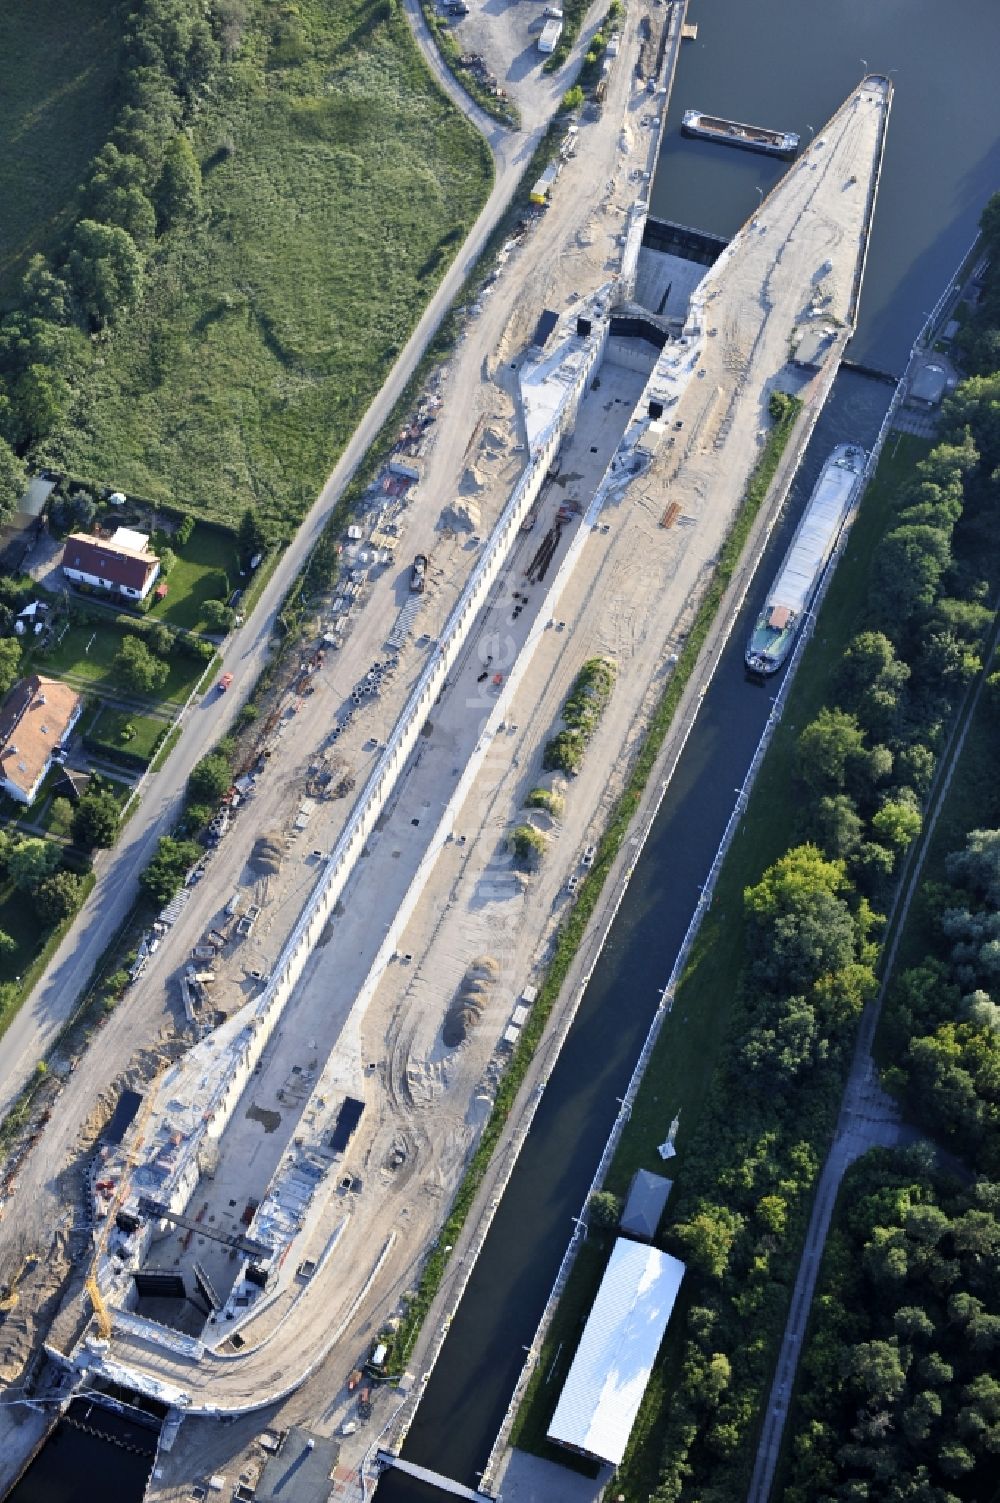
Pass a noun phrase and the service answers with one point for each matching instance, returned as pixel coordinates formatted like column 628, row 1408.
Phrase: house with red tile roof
column 123, row 564
column 36, row 719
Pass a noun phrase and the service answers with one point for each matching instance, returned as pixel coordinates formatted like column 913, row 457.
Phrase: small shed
column 929, row 385
column 647, row 1196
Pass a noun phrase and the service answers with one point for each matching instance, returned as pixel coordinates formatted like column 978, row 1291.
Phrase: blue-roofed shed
column 647, row 1197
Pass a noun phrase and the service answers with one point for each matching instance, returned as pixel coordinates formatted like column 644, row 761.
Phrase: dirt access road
column 207, row 718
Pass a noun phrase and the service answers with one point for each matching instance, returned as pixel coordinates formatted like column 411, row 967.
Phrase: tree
column 168, row 559
column 13, row 480
column 896, row 825
column 217, row 615
column 165, row 874
column 977, row 866
column 870, row 662
column 141, row 672
column 39, row 396
column 827, row 748
column 876, row 1368
column 43, row 294
column 96, row 819
column 252, row 538
column 836, row 824
column 604, row 1210
column 73, row 513
column 58, row 896
column 162, row 639
column 708, row 1237
column 799, row 927
column 106, row 269
column 10, row 664
column 906, row 575
column 60, row 816
column 30, row 861
column 7, row 944
column 210, row 779
column 178, row 191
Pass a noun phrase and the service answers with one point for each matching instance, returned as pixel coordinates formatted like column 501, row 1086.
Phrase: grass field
column 269, row 326
column 60, row 60
column 683, row 1063
column 85, row 658
column 194, row 577
column 108, row 727
column 19, row 919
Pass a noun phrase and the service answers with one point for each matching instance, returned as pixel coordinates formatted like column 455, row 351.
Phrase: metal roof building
column 647, row 1197
column 602, row 1394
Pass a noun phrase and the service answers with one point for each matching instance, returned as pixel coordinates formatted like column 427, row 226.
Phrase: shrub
column 528, row 846
column 564, row 753
column 58, row 896
column 164, row 876
column 544, row 798
column 96, row 819
column 210, row 779
column 604, row 1210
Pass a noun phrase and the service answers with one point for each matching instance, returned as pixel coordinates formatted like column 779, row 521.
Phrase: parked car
column 587, row 859
column 418, row 574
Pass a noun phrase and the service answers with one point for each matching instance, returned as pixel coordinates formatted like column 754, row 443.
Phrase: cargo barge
column 815, row 537
column 773, row 143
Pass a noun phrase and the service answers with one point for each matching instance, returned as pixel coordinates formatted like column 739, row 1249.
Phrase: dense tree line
column 811, row 942
column 144, row 182
column 943, row 1017
column 900, row 1398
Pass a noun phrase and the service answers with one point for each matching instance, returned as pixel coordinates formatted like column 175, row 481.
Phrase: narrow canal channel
column 471, row 1385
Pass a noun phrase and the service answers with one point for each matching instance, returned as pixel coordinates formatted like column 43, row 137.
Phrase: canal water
column 93, row 1453
column 788, row 64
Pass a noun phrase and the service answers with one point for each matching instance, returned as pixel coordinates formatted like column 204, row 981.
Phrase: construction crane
column 101, row 1312
column 98, row 1303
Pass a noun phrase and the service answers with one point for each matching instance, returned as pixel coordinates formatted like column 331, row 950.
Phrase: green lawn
column 269, row 326
column 208, row 553
column 85, row 657
column 19, row 919
column 683, row 1063
column 60, row 60
column 109, row 724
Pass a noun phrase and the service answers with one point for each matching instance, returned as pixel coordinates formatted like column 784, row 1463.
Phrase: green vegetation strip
column 572, row 931
column 585, row 704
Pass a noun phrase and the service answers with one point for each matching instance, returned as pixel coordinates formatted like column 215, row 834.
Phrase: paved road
column 58, row 991
column 868, row 1119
